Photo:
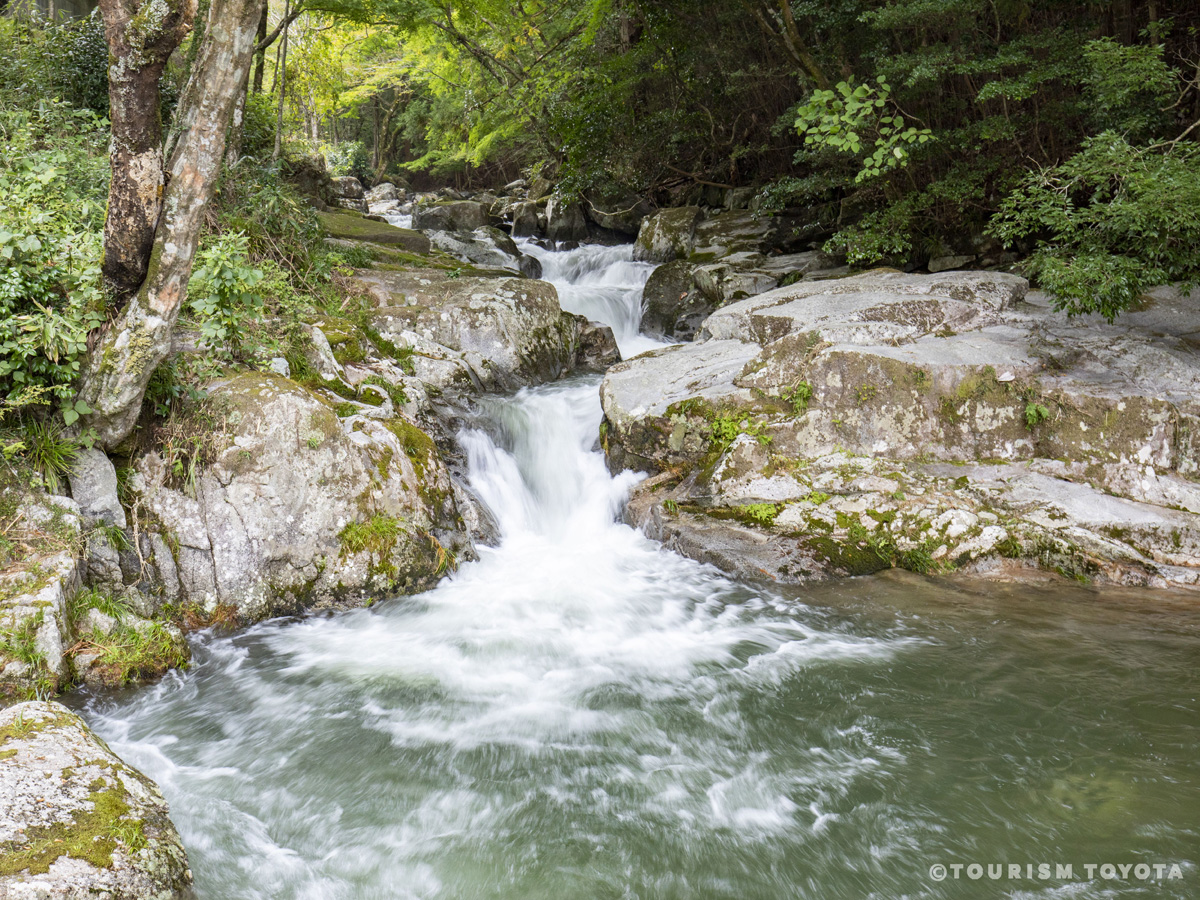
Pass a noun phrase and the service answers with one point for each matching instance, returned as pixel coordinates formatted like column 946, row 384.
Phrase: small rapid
column 603, row 283
column 582, row 714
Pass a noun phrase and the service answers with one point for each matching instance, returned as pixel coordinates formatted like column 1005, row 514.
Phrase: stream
column 583, row 715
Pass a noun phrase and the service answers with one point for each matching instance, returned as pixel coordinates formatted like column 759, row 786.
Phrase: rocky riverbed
column 807, row 423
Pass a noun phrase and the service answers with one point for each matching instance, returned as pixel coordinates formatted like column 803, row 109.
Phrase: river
column 582, row 715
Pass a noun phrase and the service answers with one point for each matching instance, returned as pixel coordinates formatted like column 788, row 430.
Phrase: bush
column 349, row 158
column 66, row 60
column 224, row 296
column 258, row 125
column 1112, row 221
column 50, row 249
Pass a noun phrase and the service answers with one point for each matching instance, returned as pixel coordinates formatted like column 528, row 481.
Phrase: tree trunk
column 141, row 35
column 133, row 345
column 281, row 81
column 260, row 58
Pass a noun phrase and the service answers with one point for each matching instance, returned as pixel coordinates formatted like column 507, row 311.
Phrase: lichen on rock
column 76, row 821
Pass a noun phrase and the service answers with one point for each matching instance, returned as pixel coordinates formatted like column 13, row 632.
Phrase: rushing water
column 581, row 714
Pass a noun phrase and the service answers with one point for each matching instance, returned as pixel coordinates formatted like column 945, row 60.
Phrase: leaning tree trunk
column 133, row 345
column 141, row 35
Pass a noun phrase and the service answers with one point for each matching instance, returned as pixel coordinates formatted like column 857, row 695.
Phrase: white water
column 534, row 727
column 602, row 283
column 400, row 220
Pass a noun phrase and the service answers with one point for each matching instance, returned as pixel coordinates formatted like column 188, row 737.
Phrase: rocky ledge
column 75, row 821
column 935, row 422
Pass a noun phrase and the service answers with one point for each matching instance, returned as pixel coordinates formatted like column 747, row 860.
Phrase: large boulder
column 348, row 193
column 346, row 225
column 310, row 177
column 617, row 209
column 687, row 233
column 487, row 247
column 767, row 423
column 508, row 331
column 668, row 234
column 385, row 192
column 35, row 595
column 565, row 221
column 525, row 220
column 455, row 215
column 347, row 187
column 681, row 294
column 301, row 504
column 75, row 820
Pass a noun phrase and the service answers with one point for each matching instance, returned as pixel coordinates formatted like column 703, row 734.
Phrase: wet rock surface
column 303, row 503
column 940, row 422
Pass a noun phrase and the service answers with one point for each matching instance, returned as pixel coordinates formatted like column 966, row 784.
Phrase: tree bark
column 133, row 345
column 281, row 80
column 141, row 35
column 260, row 52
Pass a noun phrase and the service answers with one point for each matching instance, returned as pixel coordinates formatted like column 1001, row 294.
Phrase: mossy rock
column 64, row 794
column 350, row 226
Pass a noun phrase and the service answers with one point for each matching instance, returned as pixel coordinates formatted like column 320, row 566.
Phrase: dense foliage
column 52, row 182
column 911, row 123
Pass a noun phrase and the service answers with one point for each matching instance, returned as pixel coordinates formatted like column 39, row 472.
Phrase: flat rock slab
column 346, row 225
column 1091, row 427
column 75, row 821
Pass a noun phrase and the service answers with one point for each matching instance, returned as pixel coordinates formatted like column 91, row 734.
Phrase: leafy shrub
column 349, row 158
column 858, row 120
column 50, row 250
column 258, row 125
column 223, row 293
column 66, row 59
column 1111, row 222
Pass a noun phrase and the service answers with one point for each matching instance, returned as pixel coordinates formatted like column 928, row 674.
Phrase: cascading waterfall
column 602, row 283
column 581, row 714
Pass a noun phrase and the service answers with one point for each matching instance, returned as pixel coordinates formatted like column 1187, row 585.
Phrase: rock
column 279, row 366
column 96, row 622
column 945, row 263
column 75, row 820
column 93, row 481
column 301, row 508
column 743, row 231
column 310, row 177
column 617, row 209
column 348, row 193
column 487, row 247
column 680, row 295
column 597, row 347
column 565, row 221
column 530, row 266
column 672, row 306
column 515, row 187
column 510, row 332
column 347, row 187
column 738, row 198
column 358, row 206
column 540, row 188
column 782, row 426
column 462, row 215
column 35, row 629
column 526, row 222
column 383, row 193
column 668, row 234
column 348, row 226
